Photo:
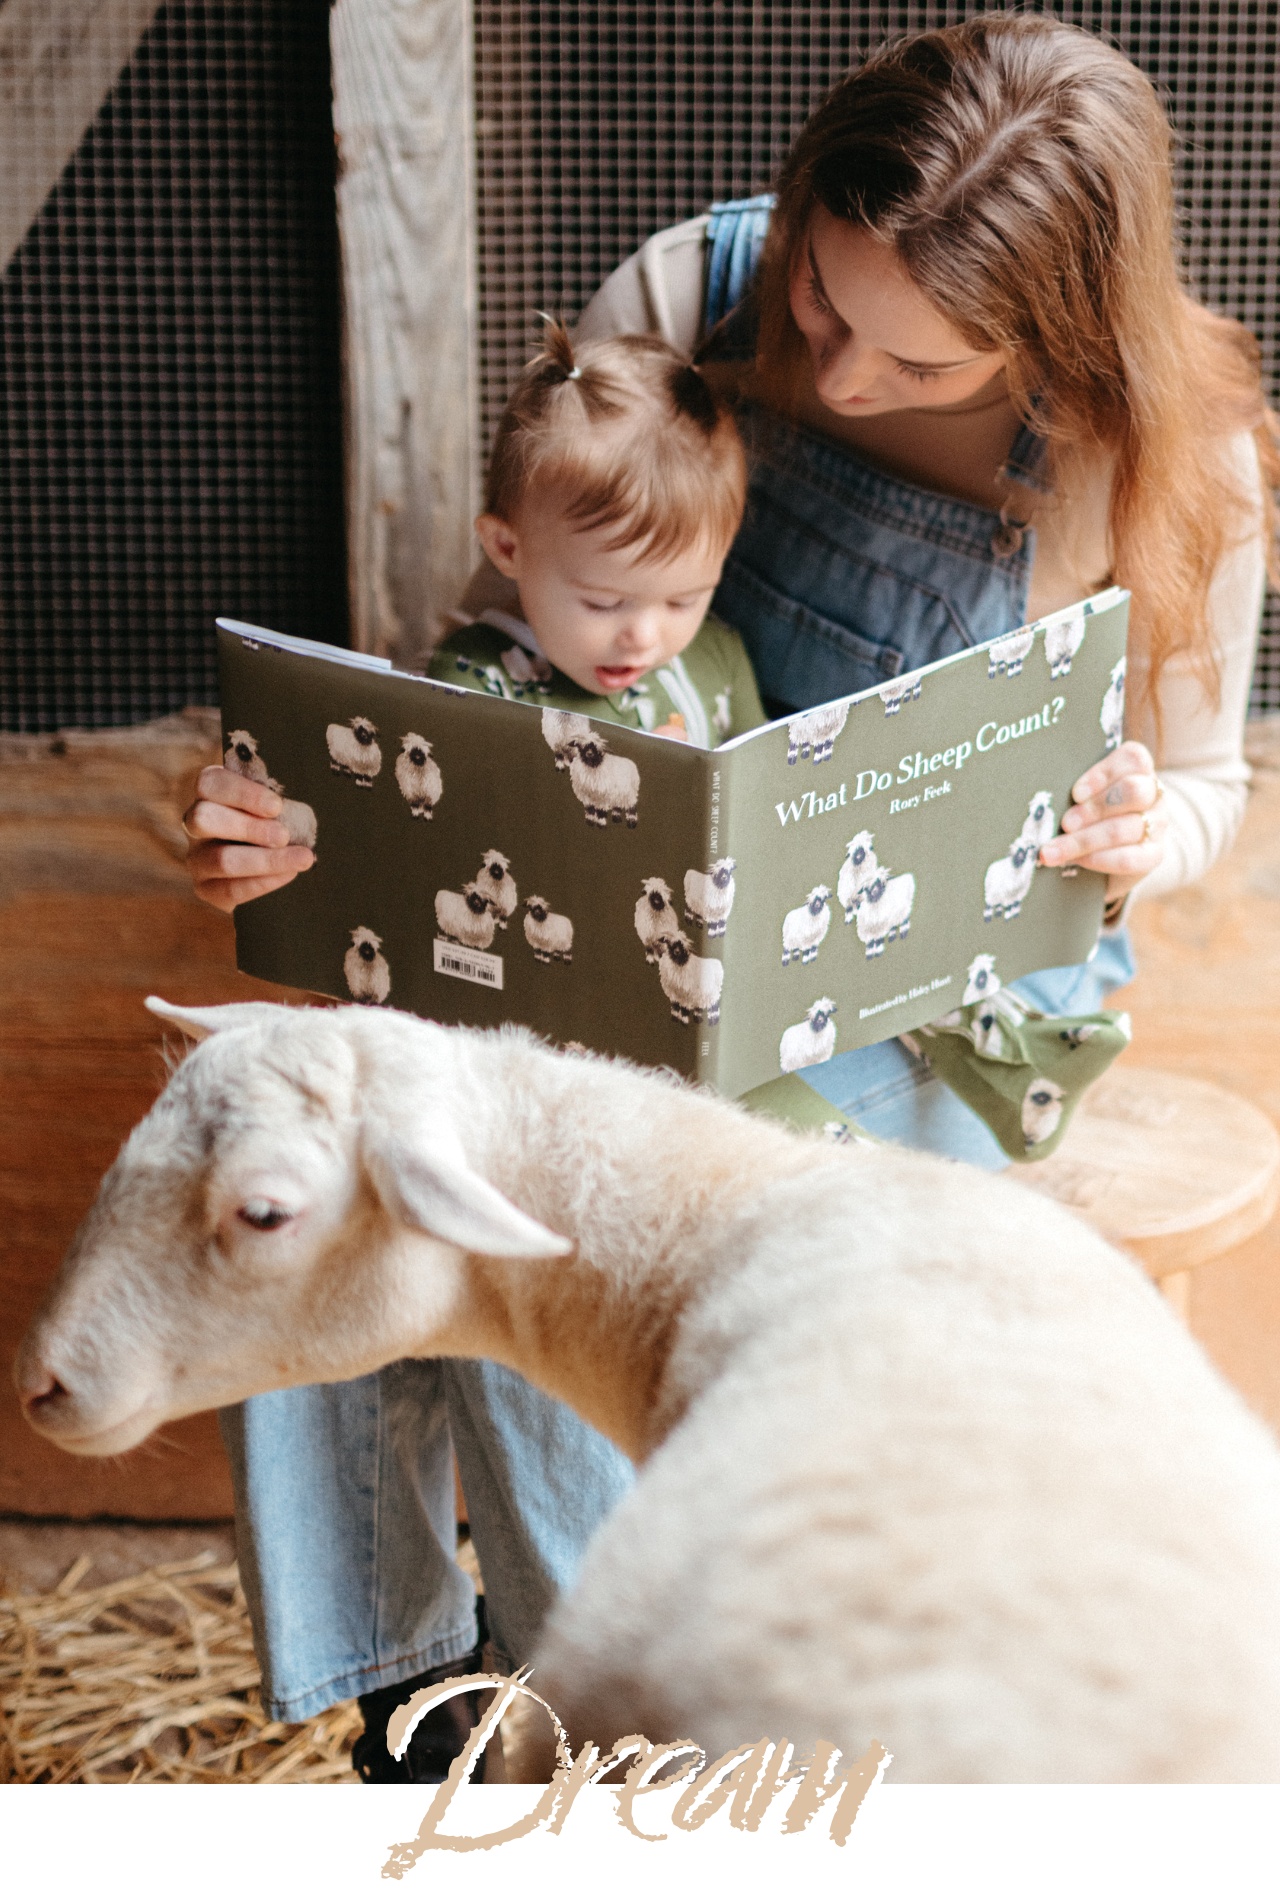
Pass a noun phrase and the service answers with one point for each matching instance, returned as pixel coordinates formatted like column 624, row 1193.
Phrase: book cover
column 826, row 881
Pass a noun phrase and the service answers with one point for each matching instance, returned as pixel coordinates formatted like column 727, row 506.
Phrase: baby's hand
column 239, row 848
column 1117, row 824
column 673, row 728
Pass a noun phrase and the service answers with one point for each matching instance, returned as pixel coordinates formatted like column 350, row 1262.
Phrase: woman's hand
column 239, row 849
column 1117, row 824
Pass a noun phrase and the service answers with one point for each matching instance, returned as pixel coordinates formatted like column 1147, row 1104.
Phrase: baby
column 616, row 484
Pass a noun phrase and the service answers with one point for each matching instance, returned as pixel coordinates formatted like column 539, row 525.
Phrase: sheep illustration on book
column 354, row 750
column 655, row 915
column 418, row 775
column 981, row 981
column 1063, row 639
column 548, row 935
column 242, row 756
column 691, row 984
column 1040, row 822
column 804, row 928
column 1007, row 880
column 814, row 734
column 1041, row 1111
column 1006, row 656
column 813, row 1040
column 605, row 784
column 899, row 692
column 562, row 731
column 1111, row 717
column 857, row 871
column 708, row 896
column 365, row 968
column 465, row 917
column 885, row 911
column 495, row 880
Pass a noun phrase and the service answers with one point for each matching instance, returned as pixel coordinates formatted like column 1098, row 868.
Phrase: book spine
column 714, row 1041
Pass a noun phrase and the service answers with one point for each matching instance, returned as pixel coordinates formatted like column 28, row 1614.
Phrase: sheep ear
column 201, row 1022
column 436, row 1191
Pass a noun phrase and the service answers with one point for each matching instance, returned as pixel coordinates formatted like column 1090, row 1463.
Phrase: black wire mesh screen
column 597, row 124
column 170, row 419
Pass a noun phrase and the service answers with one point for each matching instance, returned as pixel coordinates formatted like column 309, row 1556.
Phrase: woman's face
column 876, row 341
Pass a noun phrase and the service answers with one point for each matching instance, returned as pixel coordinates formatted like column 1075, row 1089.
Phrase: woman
column 974, row 392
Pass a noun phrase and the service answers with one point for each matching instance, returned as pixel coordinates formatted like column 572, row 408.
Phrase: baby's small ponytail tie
column 574, row 373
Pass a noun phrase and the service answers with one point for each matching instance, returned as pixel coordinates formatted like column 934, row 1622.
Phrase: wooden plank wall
column 96, row 910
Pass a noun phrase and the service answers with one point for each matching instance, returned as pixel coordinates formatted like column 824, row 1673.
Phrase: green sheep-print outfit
column 709, row 690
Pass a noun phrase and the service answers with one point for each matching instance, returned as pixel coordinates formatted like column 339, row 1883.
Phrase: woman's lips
column 616, row 679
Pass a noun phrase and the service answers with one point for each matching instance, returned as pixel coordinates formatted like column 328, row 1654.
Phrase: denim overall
column 841, row 577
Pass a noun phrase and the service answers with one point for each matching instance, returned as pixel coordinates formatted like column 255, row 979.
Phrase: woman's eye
column 919, row 375
column 263, row 1215
column 816, row 297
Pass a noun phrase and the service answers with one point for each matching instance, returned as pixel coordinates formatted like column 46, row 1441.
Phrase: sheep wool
column 922, row 1458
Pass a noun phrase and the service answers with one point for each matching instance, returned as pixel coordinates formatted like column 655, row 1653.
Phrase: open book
column 826, row 881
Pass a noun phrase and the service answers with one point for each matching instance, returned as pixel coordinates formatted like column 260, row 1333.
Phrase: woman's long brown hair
column 1022, row 169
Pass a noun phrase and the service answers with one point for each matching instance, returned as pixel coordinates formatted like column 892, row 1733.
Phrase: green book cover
column 826, row 881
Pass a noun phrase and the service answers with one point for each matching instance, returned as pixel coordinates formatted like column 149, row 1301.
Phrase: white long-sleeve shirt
column 1201, row 751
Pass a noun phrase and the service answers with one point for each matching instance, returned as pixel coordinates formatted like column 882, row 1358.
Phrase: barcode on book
column 473, row 966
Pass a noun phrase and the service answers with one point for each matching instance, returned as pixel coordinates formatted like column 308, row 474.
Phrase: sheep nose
column 39, row 1390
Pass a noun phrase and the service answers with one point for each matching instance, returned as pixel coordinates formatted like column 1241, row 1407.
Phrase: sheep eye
column 263, row 1215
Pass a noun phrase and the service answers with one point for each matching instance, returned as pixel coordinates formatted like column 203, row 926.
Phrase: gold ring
column 1147, row 836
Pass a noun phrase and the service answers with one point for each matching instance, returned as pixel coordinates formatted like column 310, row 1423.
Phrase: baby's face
column 605, row 616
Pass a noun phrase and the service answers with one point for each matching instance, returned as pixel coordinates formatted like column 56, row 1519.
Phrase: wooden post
column 402, row 83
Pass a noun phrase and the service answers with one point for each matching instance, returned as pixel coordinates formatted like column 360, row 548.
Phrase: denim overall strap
column 736, row 232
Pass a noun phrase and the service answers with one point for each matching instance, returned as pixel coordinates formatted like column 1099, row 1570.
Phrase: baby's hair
column 630, row 433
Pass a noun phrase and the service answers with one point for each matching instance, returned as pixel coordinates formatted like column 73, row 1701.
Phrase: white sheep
column 981, row 981
column 465, row 917
column 242, row 757
column 708, row 896
column 989, row 1029
column 691, row 984
column 1063, row 639
column 1040, row 822
column 922, row 1457
column 1041, row 1111
column 548, row 935
column 857, row 871
column 418, row 775
column 1111, row 718
column 885, row 910
column 1007, row 655
column 563, row 731
column 896, row 693
column 1007, row 880
column 495, row 880
column 804, row 928
column 354, row 750
column 813, row 1040
column 816, row 732
column 655, row 916
column 299, row 819
column 366, row 970
column 605, row 785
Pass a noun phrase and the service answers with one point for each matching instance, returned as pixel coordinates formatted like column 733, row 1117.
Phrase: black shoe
column 439, row 1737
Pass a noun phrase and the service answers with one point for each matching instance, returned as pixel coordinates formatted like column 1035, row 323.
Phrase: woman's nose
column 848, row 370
